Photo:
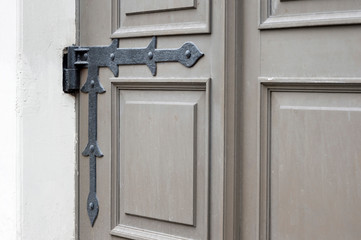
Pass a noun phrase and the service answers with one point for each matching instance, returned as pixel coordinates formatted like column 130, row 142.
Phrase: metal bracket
column 112, row 56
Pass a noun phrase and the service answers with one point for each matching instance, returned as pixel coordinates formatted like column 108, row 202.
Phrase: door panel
column 288, row 13
column 160, row 17
column 161, row 173
column 143, row 6
column 315, row 167
column 310, row 168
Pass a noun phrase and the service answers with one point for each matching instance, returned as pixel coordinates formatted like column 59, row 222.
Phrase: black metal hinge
column 112, row 56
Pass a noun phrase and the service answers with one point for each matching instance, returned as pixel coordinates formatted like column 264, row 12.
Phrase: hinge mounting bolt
column 188, row 54
column 91, row 148
column 150, row 55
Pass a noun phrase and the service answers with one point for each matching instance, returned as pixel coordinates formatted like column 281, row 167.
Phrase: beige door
column 300, row 104
column 258, row 140
column 162, row 173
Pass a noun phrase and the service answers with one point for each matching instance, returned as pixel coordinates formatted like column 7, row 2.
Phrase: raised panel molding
column 159, row 17
column 160, row 165
column 287, row 14
column 311, row 111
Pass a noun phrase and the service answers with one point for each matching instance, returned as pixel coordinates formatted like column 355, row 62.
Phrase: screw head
column 188, row 54
column 85, row 56
column 112, row 56
column 91, row 206
column 92, row 148
column 92, row 83
column 150, row 55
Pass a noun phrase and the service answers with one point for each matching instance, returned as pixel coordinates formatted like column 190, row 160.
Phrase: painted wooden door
column 300, row 99
column 162, row 137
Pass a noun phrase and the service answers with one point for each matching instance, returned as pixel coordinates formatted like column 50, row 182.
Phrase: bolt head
column 188, row 54
column 92, row 148
column 150, row 55
column 85, row 56
column 112, row 56
column 91, row 206
column 92, row 83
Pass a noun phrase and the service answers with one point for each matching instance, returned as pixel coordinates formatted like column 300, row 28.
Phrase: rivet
column 92, row 83
column 91, row 206
column 150, row 55
column 91, row 148
column 112, row 56
column 188, row 54
column 85, row 56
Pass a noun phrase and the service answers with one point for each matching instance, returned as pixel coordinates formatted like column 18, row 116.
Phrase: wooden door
column 300, row 102
column 162, row 174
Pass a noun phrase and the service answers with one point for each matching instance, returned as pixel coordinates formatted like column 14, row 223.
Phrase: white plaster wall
column 8, row 120
column 46, row 117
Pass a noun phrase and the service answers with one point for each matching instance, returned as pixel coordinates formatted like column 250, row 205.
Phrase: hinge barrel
column 71, row 80
column 73, row 60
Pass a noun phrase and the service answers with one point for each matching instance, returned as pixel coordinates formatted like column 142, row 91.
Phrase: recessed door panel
column 152, row 6
column 161, row 165
column 290, row 13
column 160, row 17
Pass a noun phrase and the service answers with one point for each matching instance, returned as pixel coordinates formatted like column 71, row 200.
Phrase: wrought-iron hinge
column 112, row 56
